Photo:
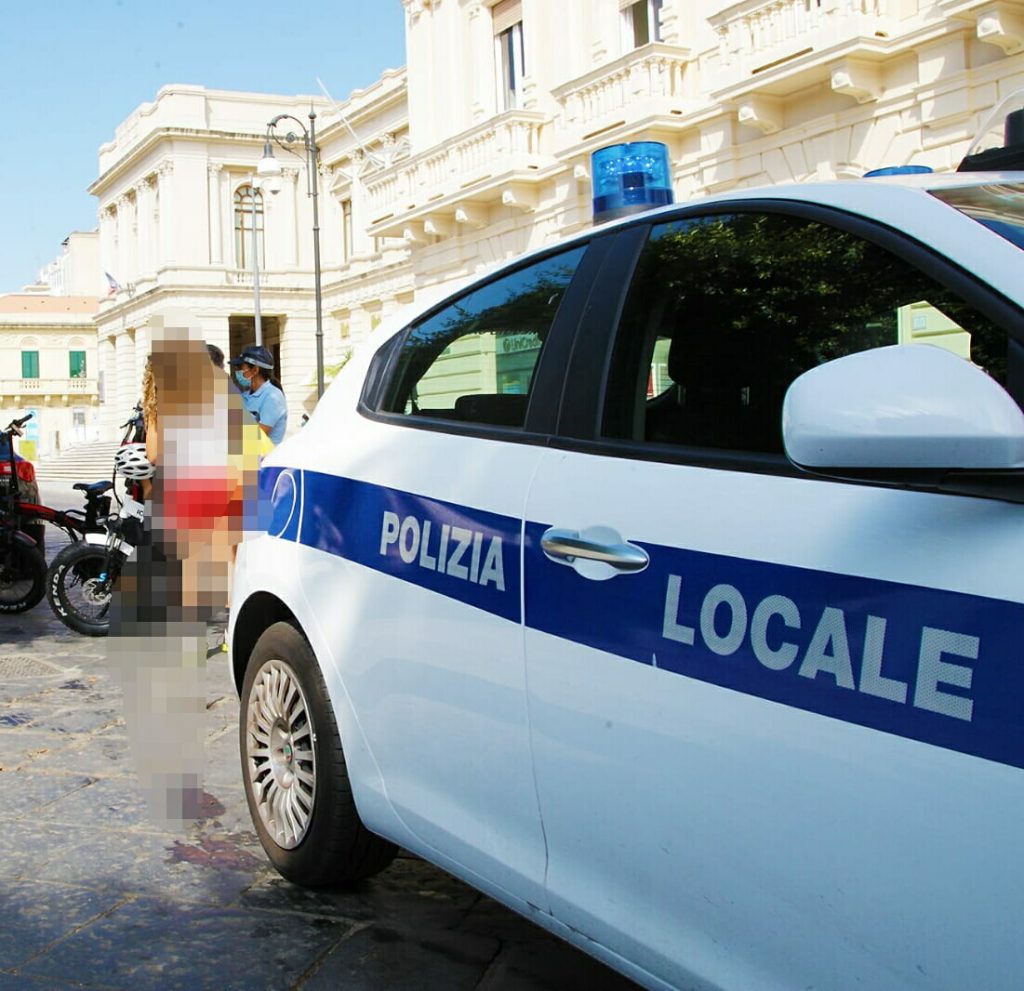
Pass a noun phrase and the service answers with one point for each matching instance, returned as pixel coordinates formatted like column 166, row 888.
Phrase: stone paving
column 93, row 895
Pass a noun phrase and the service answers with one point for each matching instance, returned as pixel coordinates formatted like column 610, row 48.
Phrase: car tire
column 294, row 771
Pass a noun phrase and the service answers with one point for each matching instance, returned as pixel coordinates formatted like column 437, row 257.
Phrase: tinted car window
column 725, row 311
column 473, row 361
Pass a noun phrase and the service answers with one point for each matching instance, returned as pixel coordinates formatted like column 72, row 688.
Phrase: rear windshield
column 999, row 206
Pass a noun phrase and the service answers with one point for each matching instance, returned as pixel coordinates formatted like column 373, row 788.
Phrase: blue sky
column 72, row 70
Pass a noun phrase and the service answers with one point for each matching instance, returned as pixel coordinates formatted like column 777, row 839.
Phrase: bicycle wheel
column 22, row 575
column 79, row 587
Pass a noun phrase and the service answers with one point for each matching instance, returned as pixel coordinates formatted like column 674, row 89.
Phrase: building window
column 30, row 364
column 508, row 39
column 641, row 23
column 248, row 210
column 346, row 229
column 76, row 364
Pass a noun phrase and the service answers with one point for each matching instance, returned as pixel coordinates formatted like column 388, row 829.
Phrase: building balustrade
column 759, row 38
column 48, row 387
column 646, row 82
column 474, row 165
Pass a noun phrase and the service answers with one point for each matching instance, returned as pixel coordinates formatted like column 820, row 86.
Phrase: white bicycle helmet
column 131, row 462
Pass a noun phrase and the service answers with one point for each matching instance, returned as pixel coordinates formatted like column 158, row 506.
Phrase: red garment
column 198, row 500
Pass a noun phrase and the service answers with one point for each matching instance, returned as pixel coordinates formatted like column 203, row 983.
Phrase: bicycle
column 22, row 565
column 82, row 577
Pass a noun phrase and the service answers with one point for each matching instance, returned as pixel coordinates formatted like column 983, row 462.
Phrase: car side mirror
column 907, row 413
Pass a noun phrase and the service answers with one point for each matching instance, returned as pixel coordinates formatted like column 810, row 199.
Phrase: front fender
column 100, row 540
column 20, row 537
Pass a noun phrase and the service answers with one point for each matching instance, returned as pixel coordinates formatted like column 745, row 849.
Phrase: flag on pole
column 115, row 286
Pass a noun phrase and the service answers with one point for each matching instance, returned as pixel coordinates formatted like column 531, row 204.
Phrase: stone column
column 107, row 362
column 122, row 273
column 362, row 244
column 133, row 236
column 672, row 26
column 107, row 259
column 331, row 234
column 144, row 212
column 292, row 227
column 481, row 45
column 227, row 213
column 607, row 41
column 216, row 330
column 165, row 175
column 214, row 170
column 142, row 338
column 298, row 366
column 128, row 383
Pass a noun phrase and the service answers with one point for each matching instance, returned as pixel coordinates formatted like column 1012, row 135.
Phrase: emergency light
column 899, row 170
column 630, row 178
column 998, row 149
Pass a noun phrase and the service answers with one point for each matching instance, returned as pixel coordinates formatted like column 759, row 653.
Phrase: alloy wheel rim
column 279, row 755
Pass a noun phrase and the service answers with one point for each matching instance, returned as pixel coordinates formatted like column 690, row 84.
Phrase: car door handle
column 597, row 544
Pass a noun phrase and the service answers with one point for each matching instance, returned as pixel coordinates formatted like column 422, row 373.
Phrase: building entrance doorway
column 242, row 333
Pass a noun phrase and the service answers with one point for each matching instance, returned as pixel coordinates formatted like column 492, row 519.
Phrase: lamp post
column 257, row 322
column 269, row 171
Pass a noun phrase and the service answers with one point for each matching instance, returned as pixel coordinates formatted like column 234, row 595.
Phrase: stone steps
column 81, row 463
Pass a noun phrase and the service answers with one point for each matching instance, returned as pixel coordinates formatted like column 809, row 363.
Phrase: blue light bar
column 630, row 178
column 900, row 170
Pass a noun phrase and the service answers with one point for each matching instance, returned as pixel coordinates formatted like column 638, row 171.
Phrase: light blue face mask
column 243, row 382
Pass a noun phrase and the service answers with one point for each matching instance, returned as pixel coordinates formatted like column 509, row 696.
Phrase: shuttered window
column 509, row 53
column 505, row 14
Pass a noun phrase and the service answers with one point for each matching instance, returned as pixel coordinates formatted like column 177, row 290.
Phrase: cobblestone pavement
column 92, row 895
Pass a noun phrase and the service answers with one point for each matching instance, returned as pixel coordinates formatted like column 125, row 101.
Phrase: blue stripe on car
column 926, row 664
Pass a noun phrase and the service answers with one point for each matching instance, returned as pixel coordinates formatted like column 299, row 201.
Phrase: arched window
column 248, row 211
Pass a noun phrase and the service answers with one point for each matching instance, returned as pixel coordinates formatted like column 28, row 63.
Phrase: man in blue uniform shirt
column 261, row 392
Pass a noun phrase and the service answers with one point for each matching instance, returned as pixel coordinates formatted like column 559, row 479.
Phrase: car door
column 776, row 719
column 419, row 593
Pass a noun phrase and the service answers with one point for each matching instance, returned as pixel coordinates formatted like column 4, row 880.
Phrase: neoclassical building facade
column 479, row 149
column 48, row 366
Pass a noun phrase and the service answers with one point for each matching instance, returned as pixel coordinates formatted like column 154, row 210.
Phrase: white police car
column 543, row 599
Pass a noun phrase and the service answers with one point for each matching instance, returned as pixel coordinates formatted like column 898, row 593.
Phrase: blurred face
column 184, row 382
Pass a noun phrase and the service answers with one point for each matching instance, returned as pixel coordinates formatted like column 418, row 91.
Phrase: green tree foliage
column 811, row 291
column 752, row 300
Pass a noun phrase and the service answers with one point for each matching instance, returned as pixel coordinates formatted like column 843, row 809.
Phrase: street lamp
column 269, row 172
column 257, row 322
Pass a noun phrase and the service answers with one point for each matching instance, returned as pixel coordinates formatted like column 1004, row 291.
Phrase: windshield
column 999, row 206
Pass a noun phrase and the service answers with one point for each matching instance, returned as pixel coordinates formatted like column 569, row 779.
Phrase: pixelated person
column 179, row 575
